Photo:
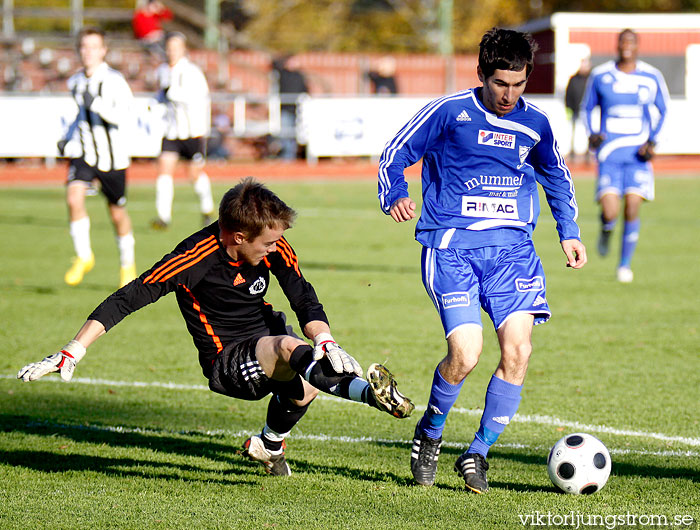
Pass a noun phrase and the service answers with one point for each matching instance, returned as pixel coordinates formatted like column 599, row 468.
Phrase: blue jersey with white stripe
column 480, row 173
column 632, row 108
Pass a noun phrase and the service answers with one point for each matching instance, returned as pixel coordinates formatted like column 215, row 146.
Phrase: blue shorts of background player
column 626, row 178
column 501, row 280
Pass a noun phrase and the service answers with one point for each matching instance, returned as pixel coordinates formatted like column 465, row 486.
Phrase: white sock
column 126, row 249
column 165, row 191
column 273, row 437
column 80, row 232
column 202, row 187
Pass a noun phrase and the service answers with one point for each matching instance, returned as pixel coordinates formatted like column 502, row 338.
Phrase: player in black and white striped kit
column 98, row 147
column 184, row 96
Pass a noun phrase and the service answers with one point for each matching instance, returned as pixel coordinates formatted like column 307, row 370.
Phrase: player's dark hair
column 250, row 207
column 175, row 35
column 89, row 30
column 506, row 49
column 627, row 32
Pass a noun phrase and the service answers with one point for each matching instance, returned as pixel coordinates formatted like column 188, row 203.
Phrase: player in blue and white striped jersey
column 633, row 98
column 97, row 144
column 484, row 150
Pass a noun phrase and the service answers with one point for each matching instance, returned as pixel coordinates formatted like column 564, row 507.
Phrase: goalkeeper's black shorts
column 237, row 373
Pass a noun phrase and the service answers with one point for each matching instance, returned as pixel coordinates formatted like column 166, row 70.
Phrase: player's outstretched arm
column 64, row 361
column 575, row 253
column 403, row 209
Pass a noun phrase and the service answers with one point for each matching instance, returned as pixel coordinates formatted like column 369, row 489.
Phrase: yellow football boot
column 78, row 269
column 126, row 275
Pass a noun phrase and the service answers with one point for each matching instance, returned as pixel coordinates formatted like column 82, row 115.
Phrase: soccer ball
column 579, row 463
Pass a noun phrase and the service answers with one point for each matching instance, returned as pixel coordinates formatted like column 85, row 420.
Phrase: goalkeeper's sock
column 442, row 397
column 502, row 401
column 630, row 236
column 321, row 375
column 80, row 233
column 282, row 416
column 165, row 191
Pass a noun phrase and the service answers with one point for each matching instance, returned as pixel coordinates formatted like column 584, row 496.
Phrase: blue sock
column 442, row 396
column 501, row 404
column 630, row 237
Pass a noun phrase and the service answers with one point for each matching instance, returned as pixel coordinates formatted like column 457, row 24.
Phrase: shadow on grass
column 33, row 220
column 52, row 290
column 64, row 458
column 618, row 468
column 448, row 455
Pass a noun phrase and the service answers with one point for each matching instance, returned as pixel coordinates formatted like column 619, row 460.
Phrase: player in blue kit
column 484, row 150
column 633, row 98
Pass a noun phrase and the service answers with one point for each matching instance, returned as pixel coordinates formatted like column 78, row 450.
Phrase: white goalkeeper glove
column 64, row 362
column 341, row 361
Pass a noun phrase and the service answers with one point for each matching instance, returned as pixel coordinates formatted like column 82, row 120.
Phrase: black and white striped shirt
column 102, row 133
column 185, row 94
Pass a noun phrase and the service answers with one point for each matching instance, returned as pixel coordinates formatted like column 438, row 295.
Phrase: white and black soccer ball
column 579, row 464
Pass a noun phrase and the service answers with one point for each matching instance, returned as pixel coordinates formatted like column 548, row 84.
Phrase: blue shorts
column 503, row 280
column 635, row 178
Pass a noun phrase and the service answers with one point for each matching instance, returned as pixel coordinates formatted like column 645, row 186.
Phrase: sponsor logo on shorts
column 491, row 207
column 496, row 139
column 458, row 299
column 258, row 286
column 525, row 285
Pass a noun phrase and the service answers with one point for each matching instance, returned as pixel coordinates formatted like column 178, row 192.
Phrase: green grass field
column 137, row 441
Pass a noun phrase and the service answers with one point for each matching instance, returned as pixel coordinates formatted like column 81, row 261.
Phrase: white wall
column 30, row 126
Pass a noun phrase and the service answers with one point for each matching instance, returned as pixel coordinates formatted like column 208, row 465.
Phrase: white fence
column 31, row 125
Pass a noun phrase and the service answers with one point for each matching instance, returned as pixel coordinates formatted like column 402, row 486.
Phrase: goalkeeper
column 220, row 276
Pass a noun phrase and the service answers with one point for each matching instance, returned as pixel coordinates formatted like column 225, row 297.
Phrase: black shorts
column 112, row 183
column 189, row 149
column 237, row 373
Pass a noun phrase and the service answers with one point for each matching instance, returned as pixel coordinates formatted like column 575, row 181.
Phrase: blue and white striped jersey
column 480, row 173
column 627, row 114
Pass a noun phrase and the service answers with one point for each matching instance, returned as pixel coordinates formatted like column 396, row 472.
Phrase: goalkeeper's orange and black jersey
column 222, row 301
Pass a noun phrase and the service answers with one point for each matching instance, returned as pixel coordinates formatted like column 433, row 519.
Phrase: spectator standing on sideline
column 216, row 142
column 292, row 84
column 484, row 150
column 383, row 79
column 104, row 100
column 633, row 99
column 184, row 99
column 147, row 25
column 575, row 90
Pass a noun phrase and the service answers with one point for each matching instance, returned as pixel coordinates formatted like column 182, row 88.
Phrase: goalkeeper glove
column 64, row 362
column 594, row 141
column 646, row 151
column 341, row 361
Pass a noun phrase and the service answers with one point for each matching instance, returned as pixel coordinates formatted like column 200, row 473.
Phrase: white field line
column 333, row 439
column 539, row 419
